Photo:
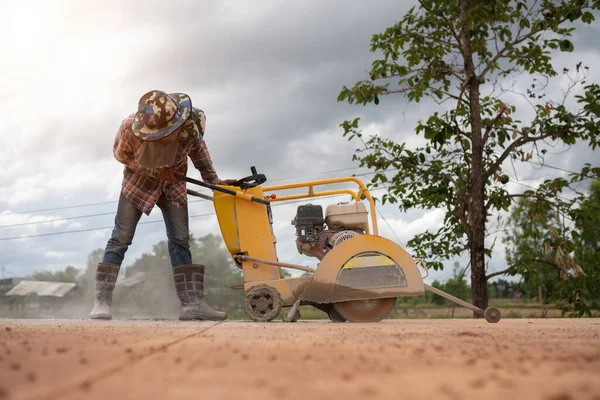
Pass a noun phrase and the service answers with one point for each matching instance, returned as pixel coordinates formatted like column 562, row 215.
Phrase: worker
column 154, row 144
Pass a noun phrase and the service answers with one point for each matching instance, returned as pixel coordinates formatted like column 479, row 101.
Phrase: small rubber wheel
column 262, row 303
column 334, row 315
column 492, row 315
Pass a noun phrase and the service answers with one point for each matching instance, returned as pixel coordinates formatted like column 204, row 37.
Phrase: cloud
column 266, row 73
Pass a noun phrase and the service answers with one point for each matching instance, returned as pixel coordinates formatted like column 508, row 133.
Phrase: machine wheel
column 371, row 310
column 262, row 303
column 492, row 315
column 335, row 316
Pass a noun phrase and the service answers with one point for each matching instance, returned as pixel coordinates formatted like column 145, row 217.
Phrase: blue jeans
column 126, row 220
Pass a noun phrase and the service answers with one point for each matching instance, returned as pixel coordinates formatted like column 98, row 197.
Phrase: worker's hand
column 228, row 182
column 168, row 174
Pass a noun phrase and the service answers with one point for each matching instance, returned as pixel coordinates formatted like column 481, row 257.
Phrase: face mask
column 160, row 153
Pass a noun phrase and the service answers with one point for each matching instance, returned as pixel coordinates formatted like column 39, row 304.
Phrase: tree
column 221, row 272
column 87, row 280
column 156, row 296
column 503, row 289
column 559, row 260
column 69, row 274
column 586, row 238
column 460, row 54
column 538, row 248
column 456, row 286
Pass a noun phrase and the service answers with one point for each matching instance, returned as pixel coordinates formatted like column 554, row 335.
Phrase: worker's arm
column 123, row 146
column 202, row 161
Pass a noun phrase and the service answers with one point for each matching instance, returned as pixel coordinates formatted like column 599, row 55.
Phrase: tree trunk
column 541, row 298
column 478, row 280
column 477, row 206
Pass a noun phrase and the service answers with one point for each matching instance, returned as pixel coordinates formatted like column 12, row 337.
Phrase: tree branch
column 523, row 195
column 509, row 46
column 506, row 271
column 550, row 263
column 533, row 260
column 518, row 143
column 450, row 26
column 500, row 54
column 490, row 126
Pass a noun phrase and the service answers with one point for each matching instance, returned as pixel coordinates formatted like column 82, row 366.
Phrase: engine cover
column 353, row 216
column 309, row 222
column 311, row 237
column 326, row 241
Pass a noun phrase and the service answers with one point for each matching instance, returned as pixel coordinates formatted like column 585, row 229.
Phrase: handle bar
column 235, row 193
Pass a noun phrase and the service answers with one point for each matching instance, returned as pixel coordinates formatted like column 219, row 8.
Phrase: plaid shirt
column 141, row 185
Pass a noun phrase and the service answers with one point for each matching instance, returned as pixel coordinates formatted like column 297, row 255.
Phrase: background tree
column 87, row 280
column 586, row 238
column 538, row 249
column 558, row 260
column 460, row 53
column 456, row 286
column 69, row 274
column 155, row 296
column 504, row 289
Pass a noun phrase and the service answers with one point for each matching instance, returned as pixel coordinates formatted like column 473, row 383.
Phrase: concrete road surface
column 396, row 359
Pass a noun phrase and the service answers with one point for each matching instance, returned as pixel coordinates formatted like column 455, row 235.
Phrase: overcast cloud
column 267, row 75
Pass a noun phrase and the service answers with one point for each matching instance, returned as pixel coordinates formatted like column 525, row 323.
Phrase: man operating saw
column 154, row 144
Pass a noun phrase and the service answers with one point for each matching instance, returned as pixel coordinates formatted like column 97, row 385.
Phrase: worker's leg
column 188, row 277
column 178, row 232
column 126, row 221
column 107, row 271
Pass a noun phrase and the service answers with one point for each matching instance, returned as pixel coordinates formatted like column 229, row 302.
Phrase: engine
column 318, row 233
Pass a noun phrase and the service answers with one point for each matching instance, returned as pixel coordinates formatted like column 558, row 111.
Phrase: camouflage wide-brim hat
column 160, row 114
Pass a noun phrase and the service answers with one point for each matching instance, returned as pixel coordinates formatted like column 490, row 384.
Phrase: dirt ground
column 555, row 359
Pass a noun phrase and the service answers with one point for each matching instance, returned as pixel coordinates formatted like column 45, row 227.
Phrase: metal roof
column 41, row 288
column 132, row 280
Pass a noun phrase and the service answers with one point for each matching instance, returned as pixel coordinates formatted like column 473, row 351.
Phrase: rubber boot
column 189, row 283
column 106, row 277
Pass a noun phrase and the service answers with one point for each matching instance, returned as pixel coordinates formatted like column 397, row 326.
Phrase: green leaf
column 566, row 45
column 587, row 17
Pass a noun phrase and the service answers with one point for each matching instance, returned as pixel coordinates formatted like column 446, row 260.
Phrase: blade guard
column 364, row 267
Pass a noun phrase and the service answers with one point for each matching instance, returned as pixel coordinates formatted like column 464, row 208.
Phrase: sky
column 267, row 75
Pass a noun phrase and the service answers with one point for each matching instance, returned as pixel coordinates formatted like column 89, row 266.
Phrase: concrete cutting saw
column 360, row 274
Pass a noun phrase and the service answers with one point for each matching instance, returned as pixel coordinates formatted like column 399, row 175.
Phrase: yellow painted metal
column 246, row 229
column 319, row 182
column 319, row 194
column 363, row 191
column 325, row 287
column 289, row 288
column 226, row 215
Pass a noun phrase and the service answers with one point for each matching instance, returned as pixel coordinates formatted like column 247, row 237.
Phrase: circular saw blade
column 371, row 310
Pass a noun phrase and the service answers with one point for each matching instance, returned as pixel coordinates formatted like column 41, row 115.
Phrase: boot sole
column 200, row 318
column 101, row 317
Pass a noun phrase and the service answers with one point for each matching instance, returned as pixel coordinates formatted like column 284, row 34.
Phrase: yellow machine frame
column 357, row 196
column 362, row 268
column 246, row 229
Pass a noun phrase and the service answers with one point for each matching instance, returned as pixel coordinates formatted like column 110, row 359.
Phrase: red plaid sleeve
column 202, row 161
column 123, row 147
